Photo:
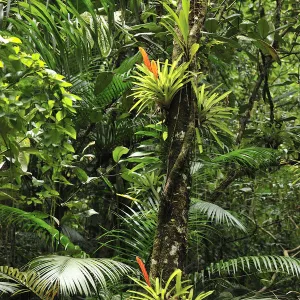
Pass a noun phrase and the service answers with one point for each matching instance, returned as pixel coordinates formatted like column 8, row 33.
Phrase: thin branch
column 245, row 119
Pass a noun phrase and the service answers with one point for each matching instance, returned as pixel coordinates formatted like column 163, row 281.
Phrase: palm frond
column 136, row 236
column 118, row 85
column 28, row 280
column 70, row 276
column 120, row 82
column 268, row 263
column 253, row 158
column 216, row 214
column 8, row 287
column 58, row 32
column 29, row 222
column 61, row 275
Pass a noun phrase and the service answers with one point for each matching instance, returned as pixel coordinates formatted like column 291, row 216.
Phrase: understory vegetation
column 149, row 149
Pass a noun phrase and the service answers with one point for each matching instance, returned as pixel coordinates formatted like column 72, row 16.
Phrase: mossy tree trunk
column 170, row 244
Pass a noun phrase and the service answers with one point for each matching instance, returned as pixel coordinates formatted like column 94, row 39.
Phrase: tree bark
column 170, row 244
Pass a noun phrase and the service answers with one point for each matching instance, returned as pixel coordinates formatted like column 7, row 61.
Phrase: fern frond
column 29, row 222
column 216, row 214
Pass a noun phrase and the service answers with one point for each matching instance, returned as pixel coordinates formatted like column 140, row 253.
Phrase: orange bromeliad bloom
column 143, row 269
column 152, row 67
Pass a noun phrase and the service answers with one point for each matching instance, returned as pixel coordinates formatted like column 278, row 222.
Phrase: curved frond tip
column 217, row 214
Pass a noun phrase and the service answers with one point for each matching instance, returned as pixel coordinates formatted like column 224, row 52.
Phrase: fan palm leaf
column 137, row 234
column 70, row 276
column 48, row 276
column 27, row 280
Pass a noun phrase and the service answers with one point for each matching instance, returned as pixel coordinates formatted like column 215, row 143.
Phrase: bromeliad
column 158, row 82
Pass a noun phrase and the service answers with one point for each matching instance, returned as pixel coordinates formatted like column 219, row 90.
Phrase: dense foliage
column 97, row 141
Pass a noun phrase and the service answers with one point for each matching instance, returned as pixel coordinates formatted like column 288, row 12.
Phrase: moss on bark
column 170, row 244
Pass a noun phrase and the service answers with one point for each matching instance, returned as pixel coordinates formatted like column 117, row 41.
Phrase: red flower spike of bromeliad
column 144, row 271
column 145, row 58
column 152, row 67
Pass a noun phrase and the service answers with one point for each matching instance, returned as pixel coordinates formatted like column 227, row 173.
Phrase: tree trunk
column 170, row 244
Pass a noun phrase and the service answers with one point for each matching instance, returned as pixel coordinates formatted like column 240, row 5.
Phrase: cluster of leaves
column 36, row 112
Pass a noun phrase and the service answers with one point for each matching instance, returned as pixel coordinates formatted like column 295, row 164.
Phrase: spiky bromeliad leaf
column 70, row 276
column 270, row 263
column 211, row 114
column 161, row 90
column 28, row 221
column 216, row 214
column 252, row 158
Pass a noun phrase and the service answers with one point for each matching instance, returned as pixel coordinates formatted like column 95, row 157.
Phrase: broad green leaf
column 263, row 27
column 194, row 49
column 60, row 115
column 119, row 152
column 14, row 40
column 102, row 81
column 81, row 174
column 69, row 130
column 69, row 147
column 268, row 49
column 211, row 25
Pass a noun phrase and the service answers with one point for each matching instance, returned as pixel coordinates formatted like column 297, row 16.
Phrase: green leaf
column 69, row 147
column 69, row 130
column 263, row 27
column 60, row 115
column 35, row 56
column 81, row 174
column 199, row 140
column 194, row 49
column 118, row 152
column 28, row 221
column 268, row 49
column 14, row 40
column 211, row 25
column 102, row 81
